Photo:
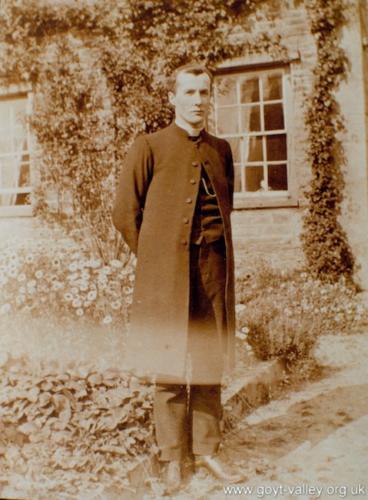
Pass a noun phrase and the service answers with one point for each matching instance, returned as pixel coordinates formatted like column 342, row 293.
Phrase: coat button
column 188, row 200
column 195, row 163
column 184, row 242
column 185, row 220
column 192, row 181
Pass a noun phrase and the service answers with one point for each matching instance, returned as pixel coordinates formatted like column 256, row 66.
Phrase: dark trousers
column 187, row 416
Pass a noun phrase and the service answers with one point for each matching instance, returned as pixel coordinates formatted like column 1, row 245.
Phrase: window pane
column 272, row 87
column 277, row 177
column 249, row 90
column 274, row 116
column 19, row 110
column 235, row 148
column 237, row 178
column 6, row 144
column 24, row 175
column 23, row 199
column 226, row 91
column 276, row 147
column 254, row 178
column 250, row 119
column 253, row 149
column 8, row 173
column 20, row 143
column 227, row 120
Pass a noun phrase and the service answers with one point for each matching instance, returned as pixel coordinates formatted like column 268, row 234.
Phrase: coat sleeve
column 230, row 174
column 131, row 192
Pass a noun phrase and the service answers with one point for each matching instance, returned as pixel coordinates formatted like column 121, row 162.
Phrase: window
column 250, row 112
column 15, row 175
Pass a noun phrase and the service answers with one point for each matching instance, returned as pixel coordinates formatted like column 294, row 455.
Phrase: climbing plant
column 325, row 243
column 98, row 72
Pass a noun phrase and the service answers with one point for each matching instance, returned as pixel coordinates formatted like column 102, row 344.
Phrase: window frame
column 268, row 199
column 12, row 93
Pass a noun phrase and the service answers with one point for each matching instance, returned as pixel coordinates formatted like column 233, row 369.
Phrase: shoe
column 215, row 468
column 172, row 477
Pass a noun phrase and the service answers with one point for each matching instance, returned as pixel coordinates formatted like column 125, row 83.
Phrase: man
column 173, row 207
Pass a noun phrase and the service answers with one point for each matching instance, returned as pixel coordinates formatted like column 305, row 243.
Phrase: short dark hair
column 193, row 68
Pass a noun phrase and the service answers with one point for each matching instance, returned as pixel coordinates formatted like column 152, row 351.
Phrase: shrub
column 64, row 278
column 283, row 314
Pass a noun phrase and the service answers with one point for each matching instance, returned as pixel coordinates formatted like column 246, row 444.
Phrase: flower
column 83, row 286
column 57, row 285
column 116, row 263
column 79, row 312
column 12, row 272
column 107, row 320
column 73, row 267
column 92, row 295
column 116, row 304
column 56, row 262
column 29, row 258
column 127, row 289
column 5, row 308
column 76, row 303
column 68, row 296
column 39, row 274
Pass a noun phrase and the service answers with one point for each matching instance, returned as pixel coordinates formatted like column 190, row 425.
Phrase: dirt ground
column 310, row 443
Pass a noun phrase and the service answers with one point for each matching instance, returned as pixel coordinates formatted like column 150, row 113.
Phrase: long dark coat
column 153, row 210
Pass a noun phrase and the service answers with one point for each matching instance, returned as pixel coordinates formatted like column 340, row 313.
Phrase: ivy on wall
column 99, row 70
column 325, row 243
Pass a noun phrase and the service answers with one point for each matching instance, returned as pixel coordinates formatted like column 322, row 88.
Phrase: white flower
column 3, row 279
column 107, row 320
column 106, row 270
column 20, row 299
column 92, row 295
column 32, row 284
column 68, row 296
column 57, row 285
column 240, row 307
column 83, row 286
column 76, row 303
column 79, row 312
column 12, row 272
column 73, row 267
column 29, row 258
column 127, row 289
column 245, row 329
column 240, row 335
column 116, row 263
column 95, row 263
column 56, row 262
column 5, row 308
column 39, row 274
column 131, row 277
column 116, row 304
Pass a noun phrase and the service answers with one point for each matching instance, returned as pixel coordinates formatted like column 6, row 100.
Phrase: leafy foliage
column 325, row 243
column 92, row 427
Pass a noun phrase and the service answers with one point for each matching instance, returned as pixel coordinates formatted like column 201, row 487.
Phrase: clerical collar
column 191, row 131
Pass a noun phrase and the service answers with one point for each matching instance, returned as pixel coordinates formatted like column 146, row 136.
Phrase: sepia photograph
column 183, row 249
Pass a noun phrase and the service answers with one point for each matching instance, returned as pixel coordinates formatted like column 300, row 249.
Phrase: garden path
column 315, row 436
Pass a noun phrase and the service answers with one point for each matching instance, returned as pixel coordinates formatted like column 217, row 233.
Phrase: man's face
column 192, row 98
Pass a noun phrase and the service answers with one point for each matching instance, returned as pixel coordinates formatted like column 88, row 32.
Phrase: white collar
column 192, row 131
